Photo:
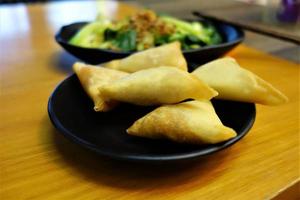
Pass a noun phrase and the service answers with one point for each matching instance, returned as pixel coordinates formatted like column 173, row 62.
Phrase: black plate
column 231, row 37
column 71, row 112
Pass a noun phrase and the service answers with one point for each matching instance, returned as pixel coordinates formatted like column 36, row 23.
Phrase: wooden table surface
column 37, row 162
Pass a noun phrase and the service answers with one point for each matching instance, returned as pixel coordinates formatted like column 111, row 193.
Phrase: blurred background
column 279, row 17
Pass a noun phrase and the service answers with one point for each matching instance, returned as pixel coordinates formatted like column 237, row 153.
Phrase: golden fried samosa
column 193, row 122
column 156, row 86
column 165, row 55
column 233, row 82
column 92, row 78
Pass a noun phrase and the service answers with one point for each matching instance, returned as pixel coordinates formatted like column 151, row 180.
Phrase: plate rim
column 179, row 157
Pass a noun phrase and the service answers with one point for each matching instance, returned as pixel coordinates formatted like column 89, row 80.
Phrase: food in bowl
column 145, row 30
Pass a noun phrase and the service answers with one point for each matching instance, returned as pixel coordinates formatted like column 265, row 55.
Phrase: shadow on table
column 101, row 170
column 63, row 61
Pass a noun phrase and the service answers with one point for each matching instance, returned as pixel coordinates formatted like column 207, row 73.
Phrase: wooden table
column 37, row 162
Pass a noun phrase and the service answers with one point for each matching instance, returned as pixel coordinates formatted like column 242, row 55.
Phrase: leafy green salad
column 144, row 30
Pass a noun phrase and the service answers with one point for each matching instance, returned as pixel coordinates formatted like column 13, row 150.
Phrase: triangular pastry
column 165, row 55
column 188, row 122
column 92, row 78
column 233, row 82
column 156, row 86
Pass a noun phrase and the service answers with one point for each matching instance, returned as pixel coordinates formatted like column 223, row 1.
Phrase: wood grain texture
column 36, row 162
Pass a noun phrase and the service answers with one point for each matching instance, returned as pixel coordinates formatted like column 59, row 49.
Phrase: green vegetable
column 89, row 36
column 110, row 34
column 159, row 40
column 185, row 28
column 143, row 31
column 126, row 40
column 215, row 37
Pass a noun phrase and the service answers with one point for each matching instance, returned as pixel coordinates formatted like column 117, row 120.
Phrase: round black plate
column 231, row 35
column 71, row 112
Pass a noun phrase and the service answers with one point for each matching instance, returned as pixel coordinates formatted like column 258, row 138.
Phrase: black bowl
column 231, row 36
column 71, row 112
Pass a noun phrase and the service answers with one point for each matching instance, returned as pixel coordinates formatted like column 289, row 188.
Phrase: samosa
column 165, row 55
column 233, row 82
column 193, row 122
column 157, row 86
column 92, row 78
